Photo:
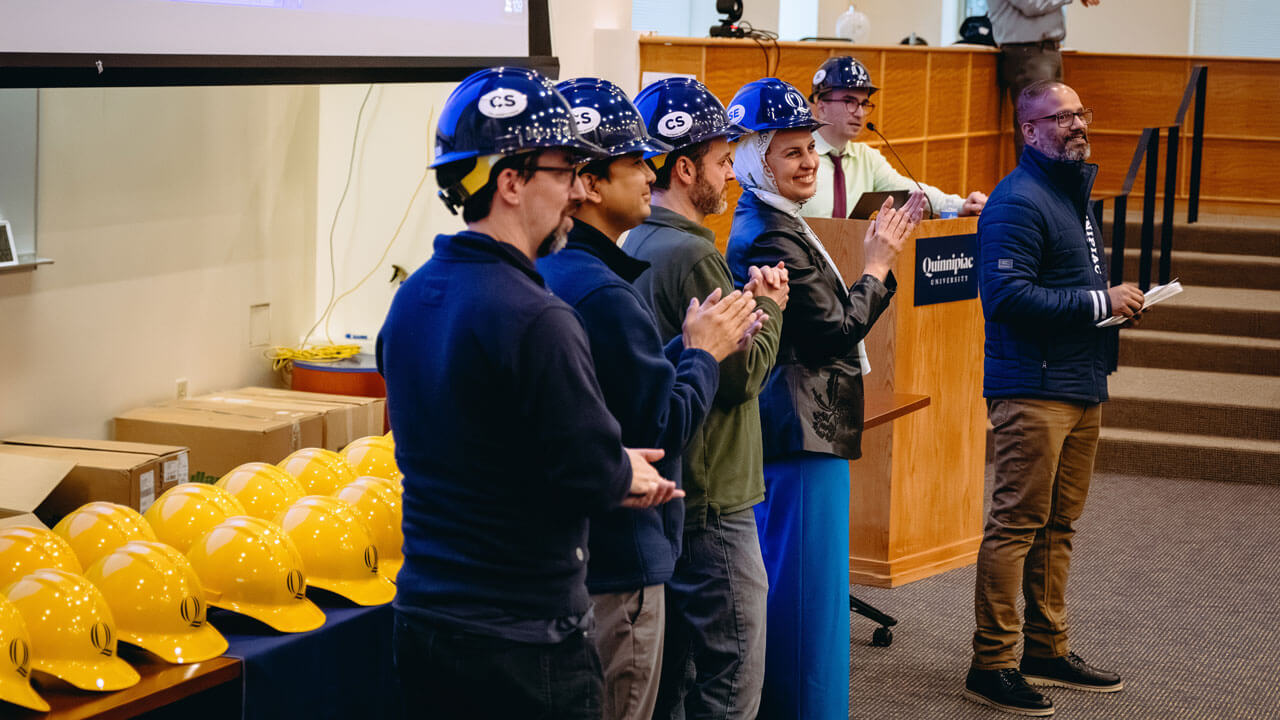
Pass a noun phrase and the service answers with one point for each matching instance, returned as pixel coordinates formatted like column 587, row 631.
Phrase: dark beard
column 704, row 198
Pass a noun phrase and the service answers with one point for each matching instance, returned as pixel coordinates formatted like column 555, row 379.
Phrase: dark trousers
column 1044, row 453
column 1022, row 64
column 446, row 674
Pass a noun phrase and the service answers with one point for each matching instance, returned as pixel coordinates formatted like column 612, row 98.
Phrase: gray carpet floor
column 1175, row 584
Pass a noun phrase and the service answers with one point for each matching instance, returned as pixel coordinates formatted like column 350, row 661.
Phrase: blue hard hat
column 841, row 73
column 682, row 111
column 605, row 117
column 771, row 104
column 503, row 111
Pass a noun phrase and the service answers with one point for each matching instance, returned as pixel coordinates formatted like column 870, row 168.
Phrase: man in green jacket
column 716, row 597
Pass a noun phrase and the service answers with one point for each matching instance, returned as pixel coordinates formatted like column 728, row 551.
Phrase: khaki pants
column 1044, row 460
column 629, row 630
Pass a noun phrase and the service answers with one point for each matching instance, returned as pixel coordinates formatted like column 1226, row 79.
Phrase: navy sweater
column 1042, row 276
column 502, row 435
column 658, row 404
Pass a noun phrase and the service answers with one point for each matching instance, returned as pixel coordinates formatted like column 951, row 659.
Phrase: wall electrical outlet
column 182, row 388
column 260, row 325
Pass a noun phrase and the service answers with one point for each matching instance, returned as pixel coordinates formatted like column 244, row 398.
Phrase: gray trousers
column 629, row 633
column 1022, row 64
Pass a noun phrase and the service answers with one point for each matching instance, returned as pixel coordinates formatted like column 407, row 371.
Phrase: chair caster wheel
column 882, row 637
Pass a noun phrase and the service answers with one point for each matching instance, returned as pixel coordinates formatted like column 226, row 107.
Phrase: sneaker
column 1004, row 689
column 1070, row 672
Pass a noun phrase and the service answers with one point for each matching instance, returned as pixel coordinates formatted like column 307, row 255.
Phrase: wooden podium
column 916, row 502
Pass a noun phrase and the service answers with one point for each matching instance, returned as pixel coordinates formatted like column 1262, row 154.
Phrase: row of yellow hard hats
column 236, row 559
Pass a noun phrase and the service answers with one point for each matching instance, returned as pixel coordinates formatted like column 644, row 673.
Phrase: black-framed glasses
column 852, row 104
column 1066, row 117
column 570, row 170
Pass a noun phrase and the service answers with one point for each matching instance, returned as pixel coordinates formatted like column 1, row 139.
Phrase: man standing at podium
column 841, row 100
column 1043, row 284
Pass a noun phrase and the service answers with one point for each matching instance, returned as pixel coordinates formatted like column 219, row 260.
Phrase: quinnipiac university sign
column 946, row 269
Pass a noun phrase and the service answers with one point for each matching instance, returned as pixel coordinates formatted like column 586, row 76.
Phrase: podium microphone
column 872, row 127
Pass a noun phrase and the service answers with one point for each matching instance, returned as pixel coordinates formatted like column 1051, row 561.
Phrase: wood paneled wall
column 939, row 106
column 942, row 110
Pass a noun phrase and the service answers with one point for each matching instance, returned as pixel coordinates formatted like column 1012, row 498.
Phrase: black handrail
column 1148, row 149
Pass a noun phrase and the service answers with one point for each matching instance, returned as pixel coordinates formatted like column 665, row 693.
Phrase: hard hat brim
column 300, row 616
column 649, row 147
column 377, row 590
column 103, row 675
column 20, row 692
column 202, row 643
column 390, row 568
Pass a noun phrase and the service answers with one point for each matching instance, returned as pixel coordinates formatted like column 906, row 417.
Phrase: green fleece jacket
column 724, row 463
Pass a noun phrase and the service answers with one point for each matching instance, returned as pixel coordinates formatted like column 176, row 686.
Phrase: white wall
column 169, row 212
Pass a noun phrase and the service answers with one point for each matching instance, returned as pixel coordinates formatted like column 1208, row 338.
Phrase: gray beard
column 1064, row 153
column 553, row 243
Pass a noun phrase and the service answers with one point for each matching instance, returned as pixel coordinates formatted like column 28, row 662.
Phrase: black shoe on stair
column 1004, row 689
column 1069, row 672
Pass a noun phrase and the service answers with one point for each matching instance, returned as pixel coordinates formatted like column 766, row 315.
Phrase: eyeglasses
column 570, row 170
column 1066, row 117
column 852, row 104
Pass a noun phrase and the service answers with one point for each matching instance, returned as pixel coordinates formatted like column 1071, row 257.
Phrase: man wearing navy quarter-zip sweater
column 1042, row 276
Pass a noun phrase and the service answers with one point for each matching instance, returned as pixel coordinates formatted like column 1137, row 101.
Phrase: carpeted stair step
column 1222, row 311
column 1179, row 455
column 1238, row 236
column 1197, row 403
column 1258, row 272
column 1199, row 351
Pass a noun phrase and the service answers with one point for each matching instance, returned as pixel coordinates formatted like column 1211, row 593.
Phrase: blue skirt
column 804, row 537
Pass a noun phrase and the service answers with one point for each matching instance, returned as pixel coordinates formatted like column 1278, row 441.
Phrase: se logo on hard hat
column 675, row 124
column 503, row 103
column 100, row 636
column 588, row 119
column 296, row 584
column 736, row 113
column 20, row 656
column 192, row 611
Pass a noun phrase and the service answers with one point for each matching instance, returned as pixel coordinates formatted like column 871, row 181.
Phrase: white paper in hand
column 1154, row 296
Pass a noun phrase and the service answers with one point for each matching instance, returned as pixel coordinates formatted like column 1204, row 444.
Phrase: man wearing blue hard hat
column 716, row 595
column 811, row 406
column 504, row 440
column 841, row 98
column 658, row 394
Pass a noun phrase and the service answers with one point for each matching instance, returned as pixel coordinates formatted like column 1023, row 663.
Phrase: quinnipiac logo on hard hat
column 192, row 611
column 296, row 583
column 371, row 559
column 100, row 636
column 796, row 100
column 20, row 656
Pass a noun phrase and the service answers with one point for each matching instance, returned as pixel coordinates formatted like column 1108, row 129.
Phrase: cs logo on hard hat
column 20, row 656
column 503, row 103
column 100, row 636
column 192, row 611
column 371, row 559
column 296, row 584
column 587, row 119
column 795, row 100
column 736, row 113
column 675, row 124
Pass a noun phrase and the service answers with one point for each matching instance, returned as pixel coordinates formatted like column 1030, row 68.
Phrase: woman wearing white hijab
column 811, row 406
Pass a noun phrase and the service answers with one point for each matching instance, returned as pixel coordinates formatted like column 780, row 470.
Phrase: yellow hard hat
column 185, row 513
column 337, row 549
column 15, row 675
column 379, row 506
column 320, row 471
column 250, row 566
column 95, row 529
column 157, row 601
column 390, row 438
column 25, row 549
column 375, row 456
column 263, row 489
column 73, row 636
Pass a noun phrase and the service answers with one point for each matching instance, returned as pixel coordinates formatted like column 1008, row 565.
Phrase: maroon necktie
column 837, row 188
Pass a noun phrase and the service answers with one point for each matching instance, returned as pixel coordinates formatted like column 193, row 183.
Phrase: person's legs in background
column 1020, row 65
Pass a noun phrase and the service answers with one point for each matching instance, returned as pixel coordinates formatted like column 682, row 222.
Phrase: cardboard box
column 343, row 422
column 219, row 436
column 132, row 474
column 368, row 413
column 24, row 483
